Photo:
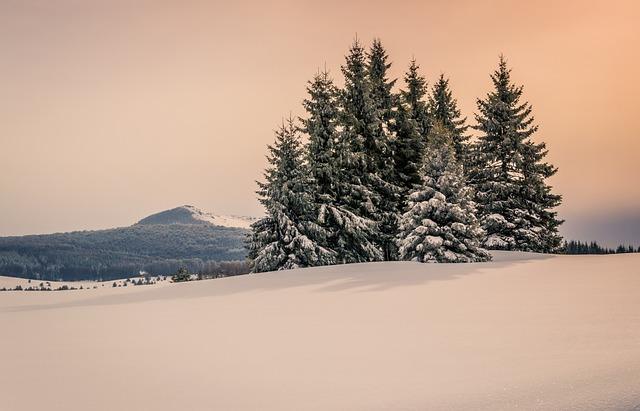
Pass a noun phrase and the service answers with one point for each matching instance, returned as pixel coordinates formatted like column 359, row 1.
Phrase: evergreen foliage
column 444, row 109
column 414, row 99
column 390, row 174
column 321, row 126
column 181, row 275
column 120, row 252
column 380, row 152
column 440, row 224
column 287, row 237
column 515, row 204
column 357, row 141
column 408, row 153
column 579, row 247
column 380, row 87
column 348, row 234
column 365, row 146
column 411, row 128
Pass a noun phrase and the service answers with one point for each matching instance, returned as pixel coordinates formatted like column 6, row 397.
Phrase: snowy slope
column 531, row 332
column 188, row 214
column 221, row 220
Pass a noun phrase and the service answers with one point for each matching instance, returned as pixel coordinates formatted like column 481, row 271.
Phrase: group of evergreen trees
column 390, row 175
column 580, row 247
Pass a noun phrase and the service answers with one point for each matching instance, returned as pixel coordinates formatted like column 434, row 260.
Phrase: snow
column 433, row 242
column 221, row 220
column 526, row 331
column 498, row 220
column 11, row 282
column 494, row 240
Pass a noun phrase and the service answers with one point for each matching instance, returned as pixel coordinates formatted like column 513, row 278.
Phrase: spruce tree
column 444, row 108
column 380, row 150
column 348, row 234
column 539, row 201
column 412, row 124
column 288, row 237
column 321, row 127
column 408, row 152
column 361, row 148
column 515, row 203
column 440, row 224
column 356, row 139
column 380, row 86
column 414, row 99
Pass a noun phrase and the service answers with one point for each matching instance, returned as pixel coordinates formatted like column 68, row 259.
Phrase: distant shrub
column 218, row 269
column 181, row 275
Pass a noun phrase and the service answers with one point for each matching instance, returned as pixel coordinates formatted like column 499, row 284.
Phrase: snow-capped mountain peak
column 188, row 214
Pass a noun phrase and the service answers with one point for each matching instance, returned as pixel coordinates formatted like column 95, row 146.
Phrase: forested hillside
column 120, row 252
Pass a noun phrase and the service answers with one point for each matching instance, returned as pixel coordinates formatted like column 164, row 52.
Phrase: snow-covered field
column 523, row 332
column 11, row 282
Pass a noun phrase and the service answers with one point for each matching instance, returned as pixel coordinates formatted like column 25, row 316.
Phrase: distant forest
column 159, row 249
column 579, row 247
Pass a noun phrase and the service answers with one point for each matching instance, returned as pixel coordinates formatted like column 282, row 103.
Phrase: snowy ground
column 523, row 332
column 11, row 283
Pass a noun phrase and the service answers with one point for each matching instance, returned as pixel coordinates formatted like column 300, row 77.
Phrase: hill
column 159, row 244
column 526, row 331
column 191, row 215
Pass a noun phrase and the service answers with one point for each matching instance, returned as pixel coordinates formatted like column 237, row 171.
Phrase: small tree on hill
column 180, row 276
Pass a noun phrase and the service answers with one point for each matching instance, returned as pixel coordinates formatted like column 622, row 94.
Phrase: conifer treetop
column 381, row 86
column 443, row 108
column 416, row 84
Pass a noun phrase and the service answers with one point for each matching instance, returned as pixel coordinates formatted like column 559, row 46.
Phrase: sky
column 111, row 110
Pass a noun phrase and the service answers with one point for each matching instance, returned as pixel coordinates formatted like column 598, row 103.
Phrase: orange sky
column 111, row 110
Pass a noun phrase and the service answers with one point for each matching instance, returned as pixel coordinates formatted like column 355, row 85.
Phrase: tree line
column 389, row 174
column 584, row 247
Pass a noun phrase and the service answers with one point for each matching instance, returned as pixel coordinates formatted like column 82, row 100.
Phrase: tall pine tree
column 380, row 151
column 357, row 139
column 508, row 173
column 288, row 236
column 348, row 234
column 361, row 147
column 321, row 126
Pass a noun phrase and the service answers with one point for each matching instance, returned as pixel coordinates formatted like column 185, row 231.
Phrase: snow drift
column 526, row 331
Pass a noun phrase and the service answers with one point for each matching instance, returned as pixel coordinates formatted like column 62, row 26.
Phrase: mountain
column 160, row 244
column 191, row 215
